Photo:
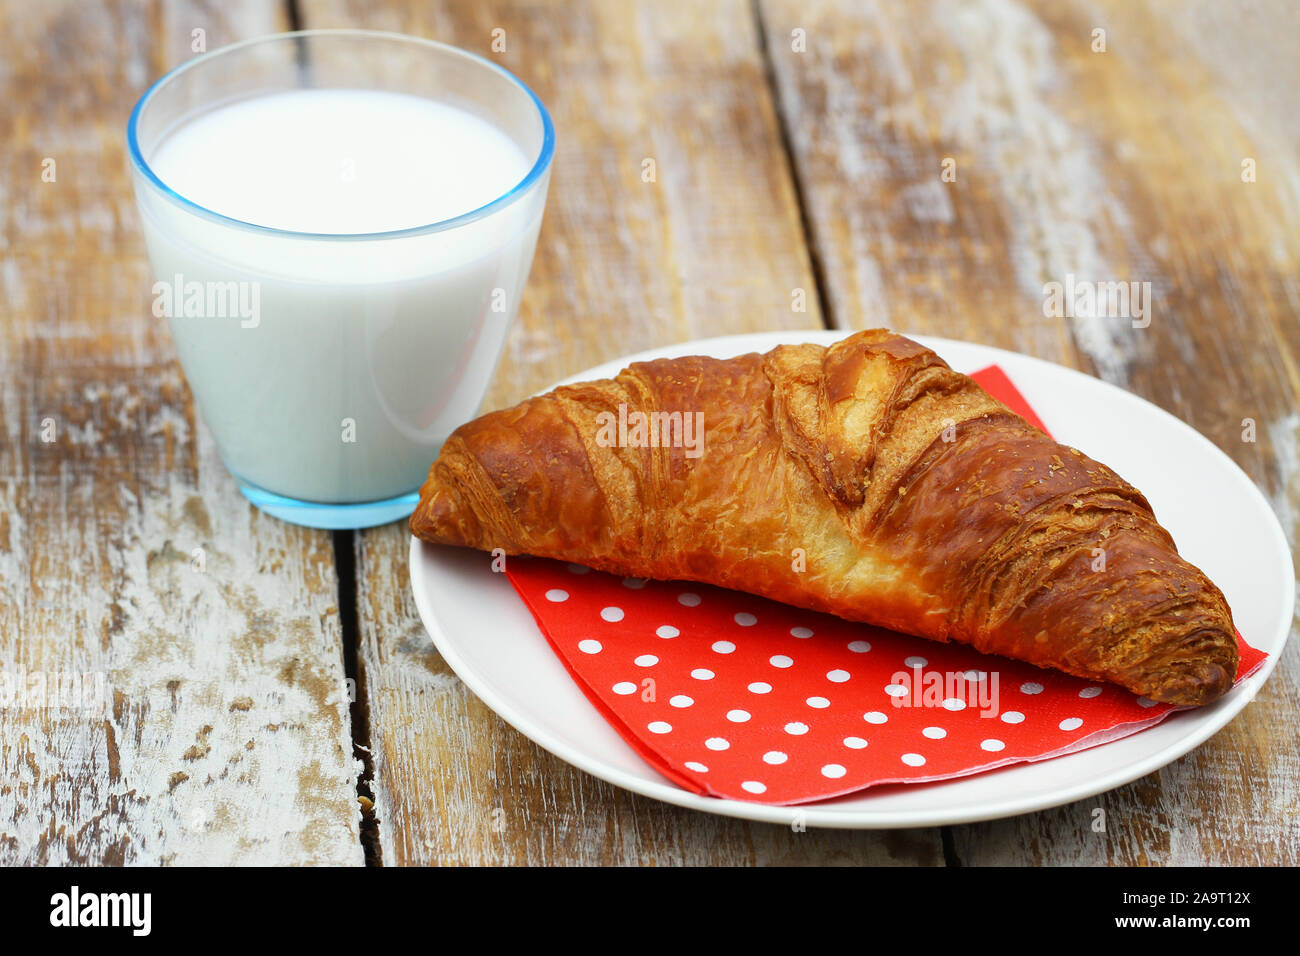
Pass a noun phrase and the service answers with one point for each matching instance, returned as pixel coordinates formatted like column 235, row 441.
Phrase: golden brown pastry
column 918, row 503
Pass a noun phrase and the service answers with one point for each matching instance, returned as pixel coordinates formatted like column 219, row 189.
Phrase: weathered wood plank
column 126, row 552
column 712, row 246
column 1112, row 166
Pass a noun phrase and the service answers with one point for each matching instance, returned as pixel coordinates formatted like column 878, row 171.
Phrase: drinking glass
column 330, row 368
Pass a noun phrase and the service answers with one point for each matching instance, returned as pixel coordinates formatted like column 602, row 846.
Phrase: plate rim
column 826, row 816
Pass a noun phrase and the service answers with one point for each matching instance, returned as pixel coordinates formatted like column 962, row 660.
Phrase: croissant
column 866, row 479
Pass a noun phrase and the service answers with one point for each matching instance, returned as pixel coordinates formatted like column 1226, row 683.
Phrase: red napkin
column 735, row 696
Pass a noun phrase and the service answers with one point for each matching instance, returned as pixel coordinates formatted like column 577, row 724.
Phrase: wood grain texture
column 1115, row 166
column 712, row 247
column 216, row 730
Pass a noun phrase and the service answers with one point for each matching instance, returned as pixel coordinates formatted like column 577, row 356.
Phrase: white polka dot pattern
column 752, row 700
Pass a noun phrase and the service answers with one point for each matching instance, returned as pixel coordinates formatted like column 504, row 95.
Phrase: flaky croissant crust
column 918, row 503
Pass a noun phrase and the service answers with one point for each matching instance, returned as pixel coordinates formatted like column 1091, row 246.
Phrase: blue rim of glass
column 519, row 189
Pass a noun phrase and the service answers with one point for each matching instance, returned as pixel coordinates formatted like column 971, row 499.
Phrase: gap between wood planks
column 792, row 169
column 345, row 569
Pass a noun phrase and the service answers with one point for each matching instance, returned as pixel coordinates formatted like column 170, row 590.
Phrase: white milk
column 363, row 355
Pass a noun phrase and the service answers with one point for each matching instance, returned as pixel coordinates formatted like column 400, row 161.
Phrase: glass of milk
column 341, row 224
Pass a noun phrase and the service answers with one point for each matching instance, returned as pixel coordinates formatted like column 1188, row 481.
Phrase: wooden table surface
column 799, row 149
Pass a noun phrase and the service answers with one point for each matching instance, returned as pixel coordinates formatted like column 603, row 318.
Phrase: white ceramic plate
column 1219, row 519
